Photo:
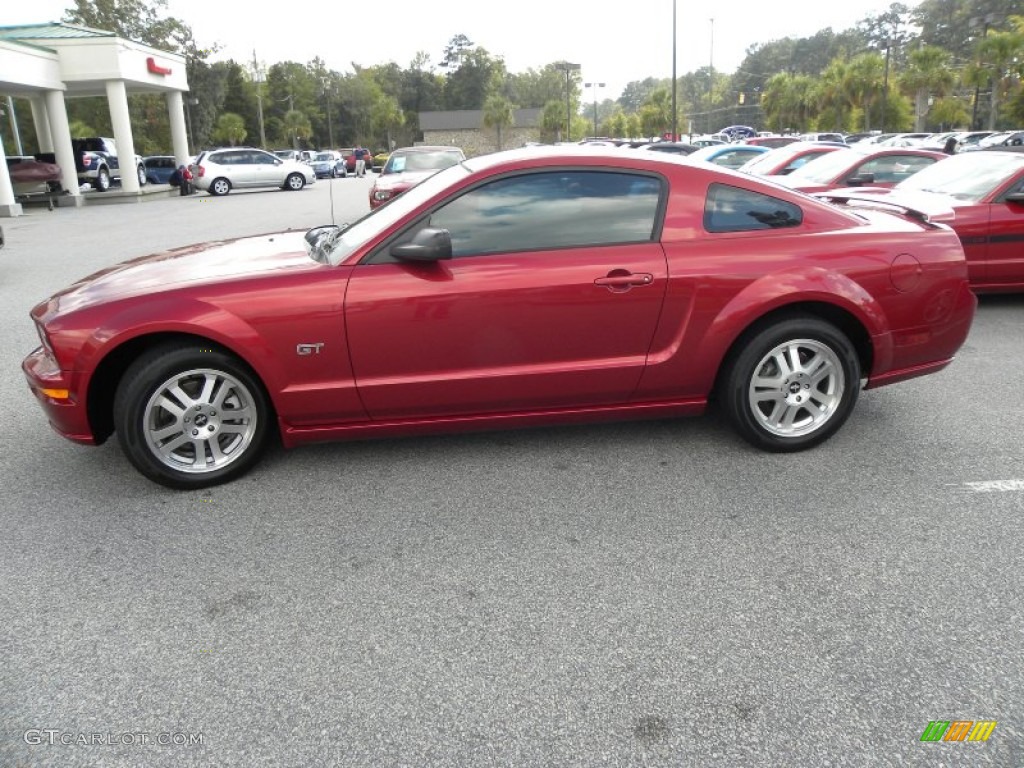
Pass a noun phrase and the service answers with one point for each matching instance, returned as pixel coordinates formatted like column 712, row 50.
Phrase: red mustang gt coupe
column 884, row 167
column 782, row 161
column 985, row 190
column 537, row 286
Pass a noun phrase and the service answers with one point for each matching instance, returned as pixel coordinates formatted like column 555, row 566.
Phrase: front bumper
column 66, row 414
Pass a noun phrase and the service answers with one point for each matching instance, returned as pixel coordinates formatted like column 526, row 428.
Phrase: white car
column 218, row 171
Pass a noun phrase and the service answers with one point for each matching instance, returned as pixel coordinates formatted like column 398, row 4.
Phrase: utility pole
column 257, row 76
column 711, row 73
column 675, row 132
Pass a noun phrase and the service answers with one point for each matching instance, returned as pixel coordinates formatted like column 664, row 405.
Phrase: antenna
column 331, row 179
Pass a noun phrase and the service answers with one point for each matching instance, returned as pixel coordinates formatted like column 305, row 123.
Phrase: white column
column 176, row 117
column 41, row 121
column 117, row 98
column 7, row 205
column 60, row 132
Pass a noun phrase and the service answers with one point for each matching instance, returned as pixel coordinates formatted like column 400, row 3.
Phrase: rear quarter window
column 732, row 209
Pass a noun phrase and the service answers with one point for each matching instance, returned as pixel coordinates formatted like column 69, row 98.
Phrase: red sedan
column 782, row 161
column 985, row 190
column 537, row 286
column 858, row 167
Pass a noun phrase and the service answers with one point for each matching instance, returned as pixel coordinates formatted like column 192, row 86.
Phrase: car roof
column 428, row 148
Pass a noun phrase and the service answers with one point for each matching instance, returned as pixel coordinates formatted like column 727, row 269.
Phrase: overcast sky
column 614, row 42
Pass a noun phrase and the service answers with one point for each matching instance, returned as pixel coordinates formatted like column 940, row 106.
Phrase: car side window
column 552, row 209
column 894, row 168
column 731, row 209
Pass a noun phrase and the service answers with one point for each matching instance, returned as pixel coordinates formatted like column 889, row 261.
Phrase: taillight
column 200, row 171
column 86, row 161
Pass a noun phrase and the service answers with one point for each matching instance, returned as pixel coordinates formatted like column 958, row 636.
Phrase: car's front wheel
column 141, row 171
column 189, row 415
column 294, row 182
column 792, row 384
column 220, row 187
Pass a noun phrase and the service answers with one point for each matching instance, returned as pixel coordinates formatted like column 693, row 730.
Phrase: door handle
column 617, row 281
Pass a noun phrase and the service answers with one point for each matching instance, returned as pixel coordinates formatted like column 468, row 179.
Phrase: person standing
column 360, row 162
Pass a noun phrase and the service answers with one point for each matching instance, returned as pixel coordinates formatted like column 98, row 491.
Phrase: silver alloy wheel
column 220, row 187
column 200, row 420
column 796, row 387
column 295, row 182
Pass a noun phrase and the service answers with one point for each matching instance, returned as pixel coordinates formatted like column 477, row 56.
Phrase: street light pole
column 711, row 72
column 675, row 132
column 568, row 67
column 595, row 86
column 885, row 83
column 330, row 128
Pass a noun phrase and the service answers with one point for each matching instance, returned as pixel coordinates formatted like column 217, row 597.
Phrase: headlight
column 382, row 194
column 45, row 340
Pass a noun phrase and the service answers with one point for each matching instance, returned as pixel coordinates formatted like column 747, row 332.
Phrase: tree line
column 942, row 64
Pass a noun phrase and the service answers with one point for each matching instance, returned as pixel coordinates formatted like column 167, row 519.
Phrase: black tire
column 800, row 402
column 141, row 171
column 222, row 413
column 102, row 180
column 220, row 186
column 294, row 182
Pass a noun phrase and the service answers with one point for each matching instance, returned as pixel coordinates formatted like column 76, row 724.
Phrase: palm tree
column 864, row 82
column 296, row 126
column 997, row 53
column 833, row 101
column 928, row 73
column 498, row 114
column 230, row 129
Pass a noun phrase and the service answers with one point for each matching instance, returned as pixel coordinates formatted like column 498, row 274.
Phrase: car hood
column 405, row 180
column 194, row 265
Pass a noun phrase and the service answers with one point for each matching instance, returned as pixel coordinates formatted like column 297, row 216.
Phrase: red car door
column 972, row 227
column 1006, row 238
column 535, row 310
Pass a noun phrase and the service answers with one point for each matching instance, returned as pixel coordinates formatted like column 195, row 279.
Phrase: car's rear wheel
column 141, row 172
column 792, row 385
column 294, row 182
column 102, row 181
column 220, row 186
column 191, row 416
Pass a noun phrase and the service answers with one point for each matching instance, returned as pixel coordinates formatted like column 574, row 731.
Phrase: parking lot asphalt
column 640, row 594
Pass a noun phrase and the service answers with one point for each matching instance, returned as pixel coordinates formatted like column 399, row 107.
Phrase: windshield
column 366, row 228
column 323, row 156
column 824, row 168
column 422, row 161
column 970, row 177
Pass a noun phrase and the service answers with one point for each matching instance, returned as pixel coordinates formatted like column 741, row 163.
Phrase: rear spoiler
column 928, row 209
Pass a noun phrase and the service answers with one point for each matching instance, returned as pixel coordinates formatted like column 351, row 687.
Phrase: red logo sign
column 155, row 68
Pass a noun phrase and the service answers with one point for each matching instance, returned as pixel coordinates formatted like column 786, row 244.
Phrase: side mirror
column 861, row 180
column 426, row 245
column 315, row 235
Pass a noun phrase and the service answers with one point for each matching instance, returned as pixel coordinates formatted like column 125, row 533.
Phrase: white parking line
column 989, row 486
